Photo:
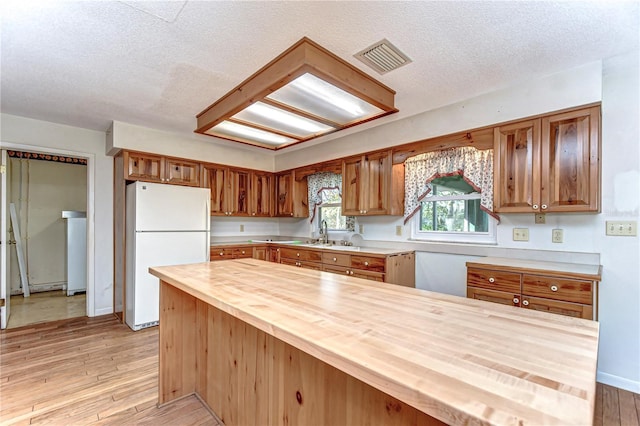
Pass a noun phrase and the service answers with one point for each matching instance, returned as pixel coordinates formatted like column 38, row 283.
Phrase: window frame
column 320, row 216
column 489, row 237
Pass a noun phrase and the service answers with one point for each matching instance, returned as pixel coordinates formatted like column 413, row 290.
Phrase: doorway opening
column 48, row 194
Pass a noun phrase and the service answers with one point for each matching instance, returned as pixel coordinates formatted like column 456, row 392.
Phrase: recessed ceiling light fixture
column 304, row 93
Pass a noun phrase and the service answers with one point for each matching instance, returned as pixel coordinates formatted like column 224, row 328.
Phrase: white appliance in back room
column 165, row 225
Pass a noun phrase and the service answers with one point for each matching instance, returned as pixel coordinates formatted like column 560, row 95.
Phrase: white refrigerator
column 165, row 225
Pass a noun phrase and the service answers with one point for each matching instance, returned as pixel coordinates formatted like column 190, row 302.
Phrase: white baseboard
column 103, row 311
column 619, row 382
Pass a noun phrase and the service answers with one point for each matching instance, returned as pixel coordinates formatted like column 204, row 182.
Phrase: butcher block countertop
column 459, row 360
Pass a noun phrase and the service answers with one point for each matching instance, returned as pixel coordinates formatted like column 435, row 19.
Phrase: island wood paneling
column 455, row 359
column 248, row 377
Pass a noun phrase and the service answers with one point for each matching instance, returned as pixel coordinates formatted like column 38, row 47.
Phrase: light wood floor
column 97, row 371
column 86, row 371
column 44, row 307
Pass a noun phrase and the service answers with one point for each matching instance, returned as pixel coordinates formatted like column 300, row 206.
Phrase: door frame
column 91, row 165
column 4, row 244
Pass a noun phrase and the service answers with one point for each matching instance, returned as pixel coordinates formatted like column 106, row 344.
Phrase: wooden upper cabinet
column 372, row 185
column 517, row 161
column 229, row 190
column 144, row 167
column 549, row 164
column 156, row 168
column 292, row 199
column 261, row 194
column 571, row 161
column 182, row 172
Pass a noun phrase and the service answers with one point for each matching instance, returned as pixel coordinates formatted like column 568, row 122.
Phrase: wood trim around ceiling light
column 304, row 56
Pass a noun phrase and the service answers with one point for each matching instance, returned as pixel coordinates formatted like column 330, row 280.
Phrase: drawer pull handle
column 346, row 272
column 525, row 303
column 544, row 207
column 335, row 260
column 516, row 300
column 366, row 263
column 492, row 280
column 351, row 272
column 554, row 288
column 242, row 251
column 298, row 254
column 535, row 207
column 221, row 254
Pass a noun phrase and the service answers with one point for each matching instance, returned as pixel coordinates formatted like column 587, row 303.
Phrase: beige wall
column 40, row 191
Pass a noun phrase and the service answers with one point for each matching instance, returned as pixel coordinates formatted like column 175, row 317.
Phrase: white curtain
column 475, row 166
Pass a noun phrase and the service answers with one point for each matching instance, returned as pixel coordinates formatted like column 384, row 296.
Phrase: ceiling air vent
column 383, row 57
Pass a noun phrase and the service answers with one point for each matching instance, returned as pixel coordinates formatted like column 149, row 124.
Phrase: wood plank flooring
column 44, row 307
column 86, row 371
column 96, row 371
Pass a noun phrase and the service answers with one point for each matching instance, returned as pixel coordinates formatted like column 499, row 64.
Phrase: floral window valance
column 320, row 183
column 475, row 166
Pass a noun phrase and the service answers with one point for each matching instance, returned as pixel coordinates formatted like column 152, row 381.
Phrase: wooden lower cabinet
column 234, row 252
column 397, row 268
column 555, row 291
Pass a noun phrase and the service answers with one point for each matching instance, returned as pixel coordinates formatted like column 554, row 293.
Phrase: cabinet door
column 376, row 185
column 516, row 170
column 144, row 167
column 284, row 194
column 182, row 172
column 238, row 190
column 260, row 253
column 261, row 194
column 557, row 307
column 352, row 177
column 493, row 296
column 215, row 180
column 571, row 161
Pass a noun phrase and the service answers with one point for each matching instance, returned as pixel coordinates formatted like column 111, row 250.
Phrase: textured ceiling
column 158, row 64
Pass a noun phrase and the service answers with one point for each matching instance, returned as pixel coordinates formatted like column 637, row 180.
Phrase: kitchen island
column 265, row 343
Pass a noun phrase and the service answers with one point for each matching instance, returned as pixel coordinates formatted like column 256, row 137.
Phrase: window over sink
column 451, row 212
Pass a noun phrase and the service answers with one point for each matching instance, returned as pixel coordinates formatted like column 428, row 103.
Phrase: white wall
column 40, row 135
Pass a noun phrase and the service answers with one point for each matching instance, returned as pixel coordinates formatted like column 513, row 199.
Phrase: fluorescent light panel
column 315, row 96
column 228, row 129
column 282, row 121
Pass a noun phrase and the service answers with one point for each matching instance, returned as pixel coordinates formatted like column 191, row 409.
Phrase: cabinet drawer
column 557, row 307
column 568, row 290
column 501, row 297
column 302, row 264
column 494, row 280
column 368, row 275
column 338, row 259
column 242, row 252
column 342, row 270
column 368, row 263
column 220, row 253
column 308, row 255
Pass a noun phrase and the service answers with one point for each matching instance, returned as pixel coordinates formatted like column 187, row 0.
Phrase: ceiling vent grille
column 383, row 57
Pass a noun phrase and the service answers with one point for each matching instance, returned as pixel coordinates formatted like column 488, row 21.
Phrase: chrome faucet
column 324, row 231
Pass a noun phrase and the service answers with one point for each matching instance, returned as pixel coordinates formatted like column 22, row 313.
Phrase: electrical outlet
column 520, row 234
column 398, row 230
column 241, row 228
column 360, row 229
column 627, row 228
column 556, row 235
column 540, row 218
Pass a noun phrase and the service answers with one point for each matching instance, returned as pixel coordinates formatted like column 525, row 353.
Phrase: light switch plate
column 360, row 229
column 520, row 234
column 624, row 228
